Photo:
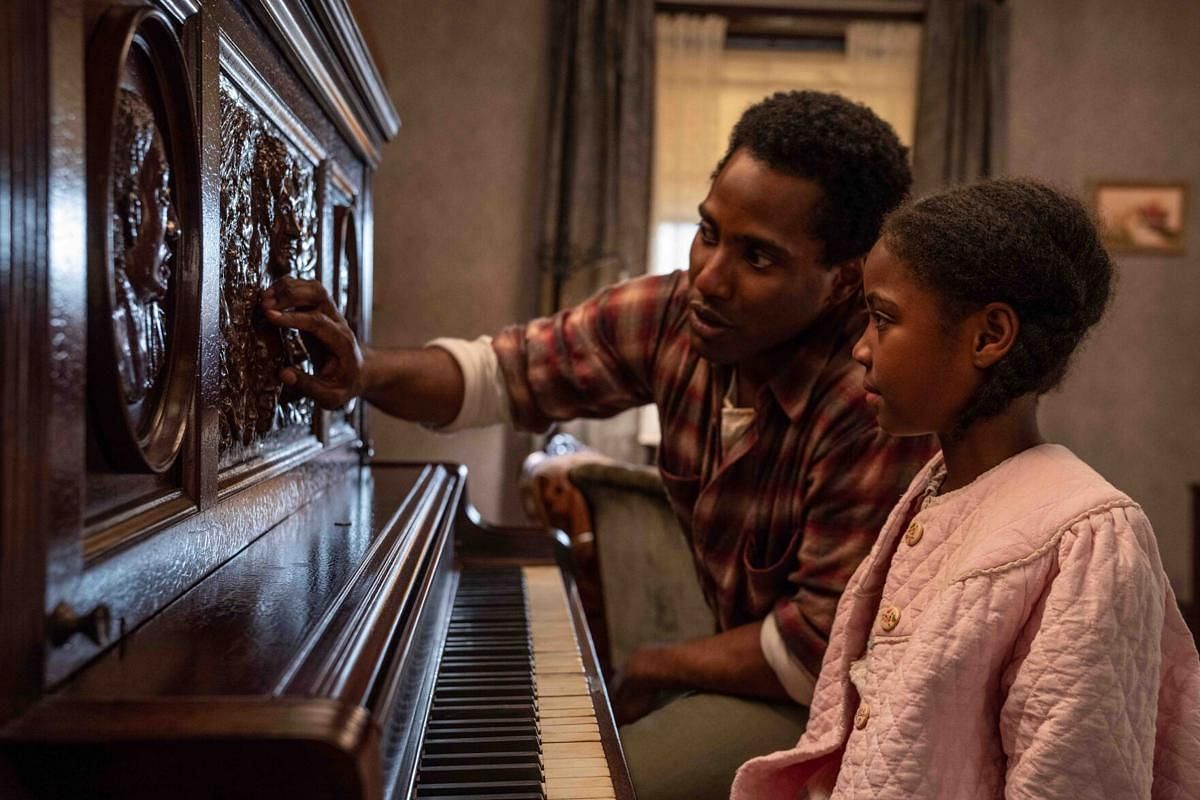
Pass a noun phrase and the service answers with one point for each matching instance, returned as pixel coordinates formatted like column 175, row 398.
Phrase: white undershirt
column 486, row 402
column 797, row 681
column 485, row 397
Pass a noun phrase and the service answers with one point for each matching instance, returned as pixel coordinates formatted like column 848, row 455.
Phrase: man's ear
column 997, row 326
column 847, row 279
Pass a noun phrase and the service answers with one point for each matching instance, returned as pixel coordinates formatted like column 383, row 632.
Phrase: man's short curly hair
column 1015, row 241
column 853, row 155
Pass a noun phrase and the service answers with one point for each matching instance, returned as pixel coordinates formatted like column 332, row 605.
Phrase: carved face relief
column 268, row 231
column 143, row 225
column 145, row 230
column 277, row 188
column 149, row 263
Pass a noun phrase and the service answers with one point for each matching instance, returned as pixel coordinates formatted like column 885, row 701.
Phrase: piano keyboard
column 512, row 716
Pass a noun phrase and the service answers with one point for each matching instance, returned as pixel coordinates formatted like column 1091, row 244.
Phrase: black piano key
column 497, row 627
column 484, row 772
column 460, row 711
column 527, row 725
column 446, row 702
column 525, row 732
column 484, row 638
column 498, row 676
column 493, row 794
column 497, row 757
column 485, row 688
column 474, row 601
column 495, row 788
column 462, row 666
column 479, row 744
column 464, row 687
column 490, row 653
column 460, row 691
column 511, row 719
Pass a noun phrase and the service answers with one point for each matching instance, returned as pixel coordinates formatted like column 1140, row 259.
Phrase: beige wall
column 458, row 199
column 1106, row 89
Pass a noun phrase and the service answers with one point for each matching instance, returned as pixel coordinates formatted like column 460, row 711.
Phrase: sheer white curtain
column 688, row 140
column 878, row 67
column 688, row 135
column 883, row 61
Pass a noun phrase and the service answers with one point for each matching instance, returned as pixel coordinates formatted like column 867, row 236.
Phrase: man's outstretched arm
column 418, row 384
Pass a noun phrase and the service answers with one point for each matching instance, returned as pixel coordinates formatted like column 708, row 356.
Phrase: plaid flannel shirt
column 780, row 522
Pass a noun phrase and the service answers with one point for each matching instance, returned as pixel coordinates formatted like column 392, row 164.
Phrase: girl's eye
column 880, row 320
column 758, row 259
column 707, row 234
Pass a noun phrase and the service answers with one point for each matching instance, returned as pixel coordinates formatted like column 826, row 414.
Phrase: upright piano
column 208, row 586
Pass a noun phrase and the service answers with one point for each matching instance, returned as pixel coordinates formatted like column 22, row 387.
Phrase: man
column 771, row 459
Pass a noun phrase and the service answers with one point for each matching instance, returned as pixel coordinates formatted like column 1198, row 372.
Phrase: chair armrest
column 643, row 480
column 647, row 573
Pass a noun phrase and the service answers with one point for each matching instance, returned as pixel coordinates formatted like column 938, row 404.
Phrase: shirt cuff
column 797, row 681
column 485, row 396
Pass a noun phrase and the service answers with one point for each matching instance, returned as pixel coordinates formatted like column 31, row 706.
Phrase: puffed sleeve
column 1078, row 720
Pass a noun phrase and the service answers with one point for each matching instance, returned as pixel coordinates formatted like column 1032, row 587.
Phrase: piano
column 209, row 588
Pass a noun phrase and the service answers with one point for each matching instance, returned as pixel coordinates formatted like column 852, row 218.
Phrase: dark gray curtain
column 961, row 106
column 598, row 174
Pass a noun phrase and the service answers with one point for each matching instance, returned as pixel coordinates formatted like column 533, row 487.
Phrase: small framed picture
column 1142, row 217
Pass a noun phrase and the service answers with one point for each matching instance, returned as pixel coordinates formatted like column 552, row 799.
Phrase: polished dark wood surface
column 25, row 463
column 202, row 749
column 261, row 624
column 307, row 640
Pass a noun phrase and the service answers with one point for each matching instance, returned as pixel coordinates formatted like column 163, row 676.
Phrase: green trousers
column 691, row 747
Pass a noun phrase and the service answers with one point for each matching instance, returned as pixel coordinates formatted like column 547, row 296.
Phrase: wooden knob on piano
column 64, row 623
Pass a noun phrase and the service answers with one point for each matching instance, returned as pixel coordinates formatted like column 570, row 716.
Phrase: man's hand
column 422, row 384
column 295, row 303
column 730, row 662
column 633, row 694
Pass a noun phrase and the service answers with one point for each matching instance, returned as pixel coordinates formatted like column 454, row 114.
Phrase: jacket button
column 889, row 618
column 913, row 534
column 862, row 716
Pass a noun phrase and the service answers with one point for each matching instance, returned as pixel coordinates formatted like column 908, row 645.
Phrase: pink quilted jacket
column 1024, row 643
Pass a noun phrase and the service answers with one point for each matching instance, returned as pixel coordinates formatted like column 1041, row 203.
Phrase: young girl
column 1012, row 633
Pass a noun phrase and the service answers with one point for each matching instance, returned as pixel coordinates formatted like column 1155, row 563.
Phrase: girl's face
column 919, row 375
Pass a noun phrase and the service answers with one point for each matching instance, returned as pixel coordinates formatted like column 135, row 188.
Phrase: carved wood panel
column 268, row 231
column 143, row 244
